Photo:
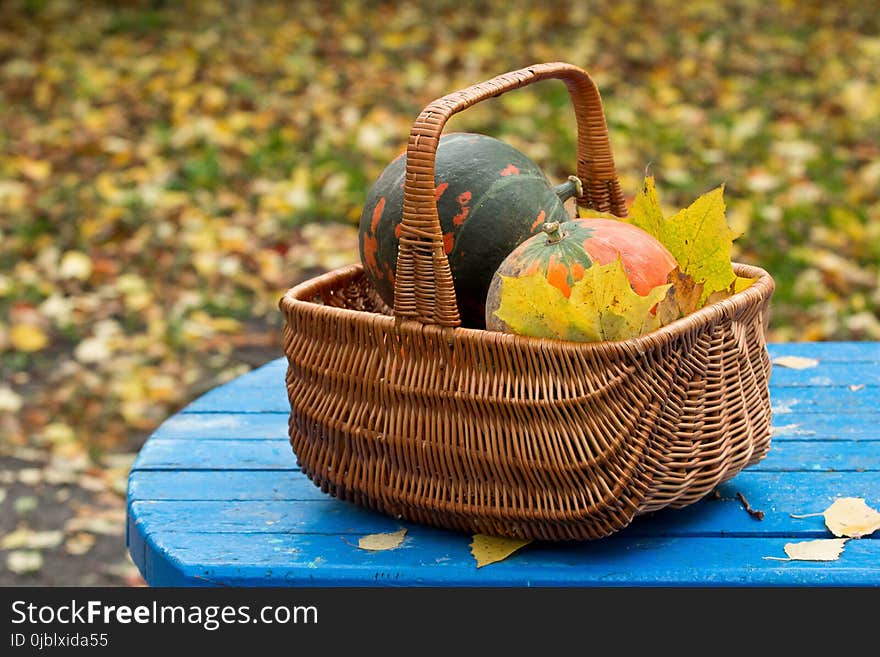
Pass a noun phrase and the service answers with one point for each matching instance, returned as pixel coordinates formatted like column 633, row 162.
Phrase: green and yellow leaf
column 602, row 306
column 698, row 238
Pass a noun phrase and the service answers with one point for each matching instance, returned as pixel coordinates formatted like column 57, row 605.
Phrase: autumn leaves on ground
column 167, row 171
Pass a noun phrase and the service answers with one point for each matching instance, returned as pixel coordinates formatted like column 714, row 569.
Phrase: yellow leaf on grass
column 795, row 362
column 602, row 306
column 849, row 516
column 31, row 540
column 822, row 549
column 376, row 542
column 34, row 169
column 24, row 561
column 75, row 264
column 489, row 549
column 26, row 337
column 698, row 238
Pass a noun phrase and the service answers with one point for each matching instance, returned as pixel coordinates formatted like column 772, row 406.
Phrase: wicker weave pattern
column 503, row 434
column 409, row 414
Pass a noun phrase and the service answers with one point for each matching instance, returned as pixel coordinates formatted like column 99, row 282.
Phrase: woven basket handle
column 423, row 288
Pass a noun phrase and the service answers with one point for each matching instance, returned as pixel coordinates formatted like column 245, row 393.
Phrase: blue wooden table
column 214, row 498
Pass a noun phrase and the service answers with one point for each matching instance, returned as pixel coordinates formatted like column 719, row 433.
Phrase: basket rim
column 299, row 298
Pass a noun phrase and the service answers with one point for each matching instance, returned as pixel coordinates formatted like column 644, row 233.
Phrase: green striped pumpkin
column 490, row 198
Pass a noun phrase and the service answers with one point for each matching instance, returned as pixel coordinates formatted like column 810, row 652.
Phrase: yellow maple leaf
column 602, row 306
column 697, row 236
column 607, row 308
column 529, row 305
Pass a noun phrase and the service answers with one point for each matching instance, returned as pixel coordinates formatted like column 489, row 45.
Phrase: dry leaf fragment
column 848, row 516
column 99, row 525
column 489, row 549
column 79, row 543
column 375, row 542
column 31, row 540
column 821, row 549
column 682, row 299
column 795, row 362
column 24, row 561
column 755, row 513
column 25, row 504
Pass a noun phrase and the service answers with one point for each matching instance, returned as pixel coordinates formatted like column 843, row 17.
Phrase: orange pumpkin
column 563, row 252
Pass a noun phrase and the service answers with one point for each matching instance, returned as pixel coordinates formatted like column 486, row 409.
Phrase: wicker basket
column 406, row 412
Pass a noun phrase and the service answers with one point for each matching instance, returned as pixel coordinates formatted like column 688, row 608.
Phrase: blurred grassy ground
column 168, row 169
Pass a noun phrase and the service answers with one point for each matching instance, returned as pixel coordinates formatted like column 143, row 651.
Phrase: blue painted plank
column 709, row 517
column 828, row 351
column 221, row 426
column 263, row 426
column 435, row 558
column 795, row 402
column 286, row 485
column 818, row 455
column 221, row 485
column 238, row 397
column 209, row 454
column 276, row 454
column 826, row 426
column 826, row 373
column 776, row 493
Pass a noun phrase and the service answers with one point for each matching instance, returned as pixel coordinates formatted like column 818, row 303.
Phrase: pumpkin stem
column 571, row 188
column 551, row 228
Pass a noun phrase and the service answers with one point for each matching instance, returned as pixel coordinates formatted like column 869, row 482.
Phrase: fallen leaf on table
column 376, row 542
column 24, row 561
column 489, row 549
column 848, row 516
column 795, row 362
column 27, row 538
column 822, row 549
